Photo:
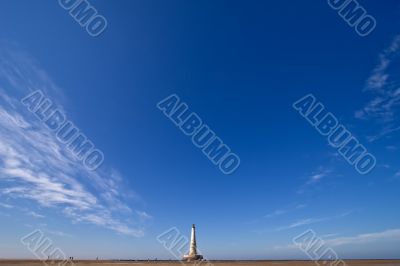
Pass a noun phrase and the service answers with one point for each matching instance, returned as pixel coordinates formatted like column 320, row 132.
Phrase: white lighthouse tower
column 193, row 248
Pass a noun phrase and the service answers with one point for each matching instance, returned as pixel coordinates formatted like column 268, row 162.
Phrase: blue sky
column 238, row 65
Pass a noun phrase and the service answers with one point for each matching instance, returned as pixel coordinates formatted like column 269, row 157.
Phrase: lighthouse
column 193, row 247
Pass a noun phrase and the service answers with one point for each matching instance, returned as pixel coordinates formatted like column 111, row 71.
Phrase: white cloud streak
column 360, row 239
column 314, row 178
column 34, row 165
column 280, row 212
column 384, row 84
column 308, row 221
column 392, row 234
column 302, row 222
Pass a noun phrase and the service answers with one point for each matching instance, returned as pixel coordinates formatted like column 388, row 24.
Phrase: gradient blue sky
column 240, row 65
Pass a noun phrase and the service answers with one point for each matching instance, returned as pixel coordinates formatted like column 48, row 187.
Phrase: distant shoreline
column 173, row 261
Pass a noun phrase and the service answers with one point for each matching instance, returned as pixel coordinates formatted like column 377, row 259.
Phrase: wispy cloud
column 7, row 206
column 308, row 221
column 384, row 236
column 302, row 222
column 57, row 233
column 34, row 165
column 396, row 176
column 328, row 236
column 314, row 178
column 275, row 213
column 379, row 76
column 34, row 214
column 317, row 177
column 392, row 234
column 384, row 84
column 280, row 212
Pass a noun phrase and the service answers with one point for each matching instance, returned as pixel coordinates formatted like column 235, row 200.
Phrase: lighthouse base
column 192, row 257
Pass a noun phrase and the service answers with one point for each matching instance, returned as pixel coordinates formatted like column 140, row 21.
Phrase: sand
column 215, row 263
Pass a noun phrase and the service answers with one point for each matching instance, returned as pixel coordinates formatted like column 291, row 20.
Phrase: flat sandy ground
column 215, row 263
